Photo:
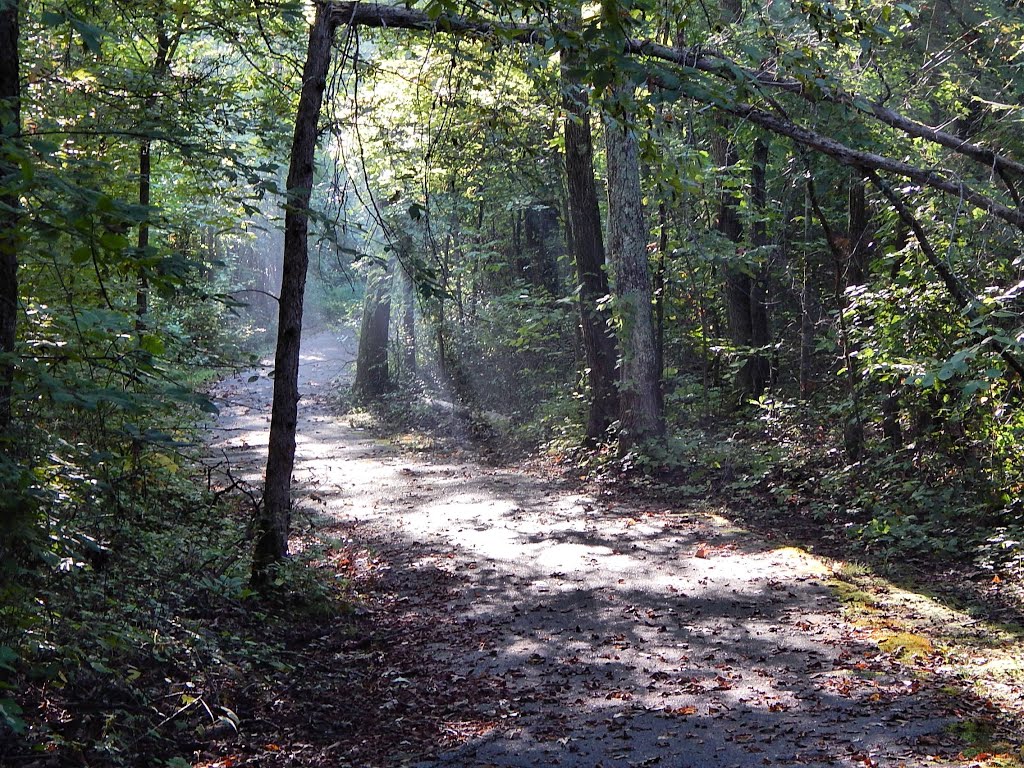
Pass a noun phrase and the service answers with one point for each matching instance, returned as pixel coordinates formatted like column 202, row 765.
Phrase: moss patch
column 852, row 596
column 907, row 646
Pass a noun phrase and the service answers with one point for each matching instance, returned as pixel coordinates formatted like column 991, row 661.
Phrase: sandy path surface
column 617, row 635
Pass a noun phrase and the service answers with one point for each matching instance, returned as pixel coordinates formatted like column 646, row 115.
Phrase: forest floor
column 504, row 616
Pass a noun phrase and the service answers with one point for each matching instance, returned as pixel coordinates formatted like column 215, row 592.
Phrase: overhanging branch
column 708, row 62
column 953, row 285
column 869, row 160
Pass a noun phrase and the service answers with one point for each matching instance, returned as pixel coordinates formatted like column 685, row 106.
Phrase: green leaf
column 90, row 33
column 10, row 715
column 973, row 387
column 52, row 18
column 8, row 657
column 152, row 344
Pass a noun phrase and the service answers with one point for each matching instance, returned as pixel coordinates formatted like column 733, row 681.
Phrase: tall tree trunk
column 758, row 366
column 808, row 306
column 587, row 246
column 539, row 222
column 161, row 65
column 408, row 323
column 660, row 290
column 641, row 416
column 746, row 294
column 860, row 234
column 272, row 525
column 10, row 207
column 373, row 377
column 737, row 278
column 142, row 275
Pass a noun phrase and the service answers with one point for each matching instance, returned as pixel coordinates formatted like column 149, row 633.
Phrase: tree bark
column 408, row 323
column 758, row 366
column 161, row 65
column 641, row 416
column 274, row 519
column 142, row 276
column 539, row 221
column 373, row 376
column 746, row 284
column 860, row 234
column 809, row 304
column 10, row 207
column 587, row 246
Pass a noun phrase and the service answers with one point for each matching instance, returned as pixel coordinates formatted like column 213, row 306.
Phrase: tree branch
column 709, row 62
column 869, row 160
column 952, row 283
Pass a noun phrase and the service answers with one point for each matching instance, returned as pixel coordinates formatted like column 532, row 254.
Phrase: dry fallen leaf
column 687, row 710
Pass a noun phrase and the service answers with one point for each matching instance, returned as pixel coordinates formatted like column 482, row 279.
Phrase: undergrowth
column 922, row 503
column 147, row 653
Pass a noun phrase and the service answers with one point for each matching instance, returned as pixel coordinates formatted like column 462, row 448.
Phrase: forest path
column 606, row 634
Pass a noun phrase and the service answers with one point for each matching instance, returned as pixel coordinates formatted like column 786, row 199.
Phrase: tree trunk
column 660, row 297
column 860, row 234
column 746, row 294
column 160, row 68
column 408, row 323
column 641, row 416
column 808, row 307
column 142, row 275
column 274, row 519
column 373, row 377
column 10, row 207
column 737, row 279
column 587, row 248
column 758, row 366
column 539, row 222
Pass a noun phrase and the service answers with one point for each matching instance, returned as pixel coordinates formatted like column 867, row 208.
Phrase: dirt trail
column 614, row 635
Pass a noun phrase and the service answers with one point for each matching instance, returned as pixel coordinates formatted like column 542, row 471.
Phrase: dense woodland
column 764, row 252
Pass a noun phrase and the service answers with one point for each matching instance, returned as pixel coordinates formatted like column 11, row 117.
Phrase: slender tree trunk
column 142, row 275
column 759, row 367
column 746, row 293
column 808, row 306
column 274, row 519
column 408, row 323
column 373, row 376
column 587, row 246
column 737, row 277
column 660, row 298
column 641, row 417
column 540, row 220
column 160, row 68
column 10, row 207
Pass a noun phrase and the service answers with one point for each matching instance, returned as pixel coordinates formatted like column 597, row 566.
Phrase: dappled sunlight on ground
column 614, row 634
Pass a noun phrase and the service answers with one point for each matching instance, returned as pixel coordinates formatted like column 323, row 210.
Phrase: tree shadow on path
column 532, row 624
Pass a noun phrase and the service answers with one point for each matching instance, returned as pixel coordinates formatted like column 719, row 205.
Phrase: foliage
column 149, row 194
column 152, row 644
